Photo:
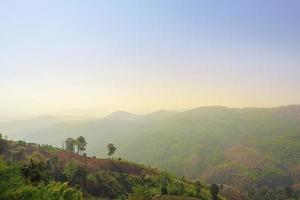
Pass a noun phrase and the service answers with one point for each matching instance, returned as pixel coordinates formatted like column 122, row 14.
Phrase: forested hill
column 236, row 147
column 31, row 171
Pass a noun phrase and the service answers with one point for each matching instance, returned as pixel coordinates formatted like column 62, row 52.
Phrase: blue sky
column 146, row 55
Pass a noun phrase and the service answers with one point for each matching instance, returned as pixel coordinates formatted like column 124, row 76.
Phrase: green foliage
column 14, row 186
column 70, row 144
column 49, row 148
column 140, row 193
column 2, row 163
column 70, row 170
column 35, row 179
column 37, row 168
column 76, row 174
column 199, row 143
column 198, row 187
column 81, row 144
column 164, row 181
column 209, row 132
column 115, row 185
column 111, row 149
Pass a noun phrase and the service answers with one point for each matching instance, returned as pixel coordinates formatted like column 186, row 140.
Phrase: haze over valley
column 150, row 100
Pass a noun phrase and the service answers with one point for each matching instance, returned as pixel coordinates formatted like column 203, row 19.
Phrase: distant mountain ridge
column 124, row 115
column 233, row 146
column 33, row 129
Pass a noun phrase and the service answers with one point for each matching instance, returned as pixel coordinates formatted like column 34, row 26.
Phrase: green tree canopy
column 70, row 144
column 81, row 144
column 111, row 149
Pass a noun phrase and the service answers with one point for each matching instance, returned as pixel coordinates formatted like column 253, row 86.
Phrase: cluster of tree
column 39, row 176
column 169, row 185
column 114, row 185
column 180, row 188
column 78, row 144
column 33, row 181
column 37, row 169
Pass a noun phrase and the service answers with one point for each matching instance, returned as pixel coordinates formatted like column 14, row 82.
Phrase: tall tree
column 70, row 144
column 81, row 144
column 111, row 149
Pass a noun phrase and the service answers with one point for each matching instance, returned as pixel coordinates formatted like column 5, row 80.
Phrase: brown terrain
column 20, row 152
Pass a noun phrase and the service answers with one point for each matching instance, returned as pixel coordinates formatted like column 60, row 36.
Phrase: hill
column 239, row 147
column 51, row 173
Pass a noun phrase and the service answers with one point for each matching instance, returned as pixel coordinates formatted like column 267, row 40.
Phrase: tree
column 70, row 144
column 111, row 149
column 214, row 191
column 81, row 144
column 37, row 169
column 70, row 170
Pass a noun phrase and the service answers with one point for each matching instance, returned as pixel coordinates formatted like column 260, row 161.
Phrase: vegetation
column 78, row 143
column 250, row 150
column 274, row 193
column 44, row 172
column 30, row 182
column 70, row 144
column 111, row 149
column 214, row 191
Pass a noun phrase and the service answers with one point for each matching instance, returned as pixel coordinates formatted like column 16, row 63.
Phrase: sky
column 93, row 57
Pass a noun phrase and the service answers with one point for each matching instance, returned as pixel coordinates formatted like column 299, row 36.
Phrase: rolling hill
column 33, row 171
column 233, row 146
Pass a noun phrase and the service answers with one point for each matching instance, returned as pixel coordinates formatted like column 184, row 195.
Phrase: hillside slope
column 238, row 147
column 44, row 165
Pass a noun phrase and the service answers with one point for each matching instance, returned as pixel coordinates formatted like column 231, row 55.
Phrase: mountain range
column 240, row 147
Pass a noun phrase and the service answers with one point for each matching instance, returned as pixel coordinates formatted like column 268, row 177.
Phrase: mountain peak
column 121, row 115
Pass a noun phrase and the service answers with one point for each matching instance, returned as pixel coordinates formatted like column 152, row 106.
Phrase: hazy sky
column 67, row 56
